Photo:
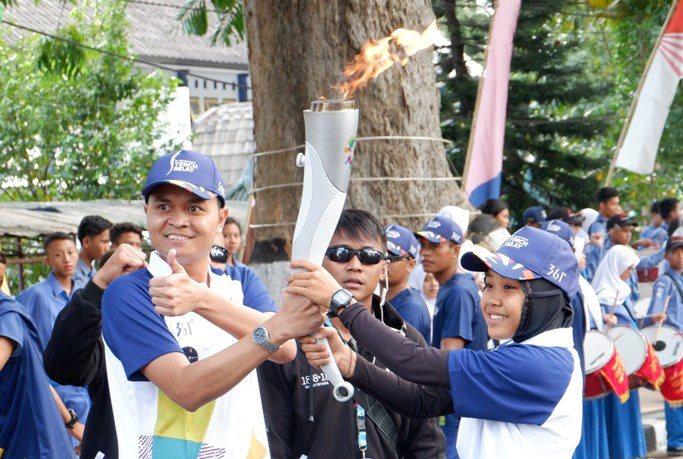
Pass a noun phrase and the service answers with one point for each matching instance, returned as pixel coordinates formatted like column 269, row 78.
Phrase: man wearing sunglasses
column 458, row 321
column 304, row 419
column 402, row 248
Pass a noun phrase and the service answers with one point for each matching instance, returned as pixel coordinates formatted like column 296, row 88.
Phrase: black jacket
column 303, row 417
column 75, row 356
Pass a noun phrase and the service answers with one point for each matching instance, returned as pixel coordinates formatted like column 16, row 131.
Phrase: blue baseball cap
column 534, row 214
column 530, row 254
column 401, row 241
column 439, row 229
column 190, row 170
column 561, row 229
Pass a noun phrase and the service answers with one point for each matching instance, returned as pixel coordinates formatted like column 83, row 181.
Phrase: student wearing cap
column 670, row 285
column 458, row 322
column 402, row 249
column 522, row 399
column 179, row 347
column 534, row 216
column 623, row 420
column 619, row 232
column 587, row 315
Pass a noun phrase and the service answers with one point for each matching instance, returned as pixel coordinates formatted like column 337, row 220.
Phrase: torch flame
column 378, row 55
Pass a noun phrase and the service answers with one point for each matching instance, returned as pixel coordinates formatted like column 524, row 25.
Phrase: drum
column 640, row 361
column 604, row 369
column 648, row 275
column 669, row 348
column 669, row 345
column 672, row 387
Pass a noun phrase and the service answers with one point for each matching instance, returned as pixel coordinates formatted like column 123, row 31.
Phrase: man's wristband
column 74, row 419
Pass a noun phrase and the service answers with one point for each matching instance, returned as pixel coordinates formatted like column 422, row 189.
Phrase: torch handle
column 343, row 390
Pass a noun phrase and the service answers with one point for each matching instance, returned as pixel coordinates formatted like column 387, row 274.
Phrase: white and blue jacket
column 522, row 400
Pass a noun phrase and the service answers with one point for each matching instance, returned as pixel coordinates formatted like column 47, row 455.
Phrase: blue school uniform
column 657, row 234
column 30, row 425
column 458, row 315
column 623, row 420
column 670, row 284
column 82, row 274
column 412, row 308
column 43, row 301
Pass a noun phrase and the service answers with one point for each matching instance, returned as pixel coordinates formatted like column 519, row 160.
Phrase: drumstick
column 659, row 325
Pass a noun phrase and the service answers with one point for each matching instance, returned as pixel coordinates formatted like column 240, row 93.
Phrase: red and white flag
column 643, row 130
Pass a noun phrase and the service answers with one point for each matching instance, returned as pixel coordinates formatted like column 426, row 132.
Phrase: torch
column 331, row 127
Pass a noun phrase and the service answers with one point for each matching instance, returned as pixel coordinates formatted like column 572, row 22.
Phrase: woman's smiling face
column 501, row 305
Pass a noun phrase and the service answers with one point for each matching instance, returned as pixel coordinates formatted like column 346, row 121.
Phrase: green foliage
column 554, row 114
column 621, row 46
column 76, row 123
column 229, row 26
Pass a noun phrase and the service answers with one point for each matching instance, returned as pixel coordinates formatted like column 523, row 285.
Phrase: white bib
column 150, row 425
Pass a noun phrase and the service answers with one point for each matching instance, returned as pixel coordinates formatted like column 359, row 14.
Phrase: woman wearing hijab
column 623, row 421
column 521, row 400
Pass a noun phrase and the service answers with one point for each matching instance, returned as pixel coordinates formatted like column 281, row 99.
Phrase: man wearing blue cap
column 179, row 356
column 534, row 216
column 402, row 247
column 458, row 322
column 522, row 400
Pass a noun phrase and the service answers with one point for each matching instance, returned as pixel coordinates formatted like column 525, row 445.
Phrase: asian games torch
column 331, row 127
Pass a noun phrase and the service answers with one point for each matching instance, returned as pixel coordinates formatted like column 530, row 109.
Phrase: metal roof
column 33, row 219
column 154, row 32
column 226, row 132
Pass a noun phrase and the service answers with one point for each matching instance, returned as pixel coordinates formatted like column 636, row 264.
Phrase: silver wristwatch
column 260, row 337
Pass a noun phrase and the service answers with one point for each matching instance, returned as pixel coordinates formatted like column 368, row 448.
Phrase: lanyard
column 362, row 434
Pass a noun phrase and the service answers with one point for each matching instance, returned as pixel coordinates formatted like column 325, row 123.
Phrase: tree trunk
column 297, row 50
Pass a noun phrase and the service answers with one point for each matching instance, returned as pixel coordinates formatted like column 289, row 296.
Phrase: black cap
column 621, row 220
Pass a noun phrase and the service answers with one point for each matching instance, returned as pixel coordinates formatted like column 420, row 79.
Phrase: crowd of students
column 461, row 339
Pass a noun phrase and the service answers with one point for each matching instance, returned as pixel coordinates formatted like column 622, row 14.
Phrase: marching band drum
column 668, row 344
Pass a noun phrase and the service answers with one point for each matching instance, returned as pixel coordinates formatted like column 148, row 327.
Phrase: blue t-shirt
column 458, row 313
column 255, row 293
column 30, row 425
column 413, row 309
column 134, row 332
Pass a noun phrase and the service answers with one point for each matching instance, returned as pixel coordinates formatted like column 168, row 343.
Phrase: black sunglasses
column 344, row 254
column 394, row 258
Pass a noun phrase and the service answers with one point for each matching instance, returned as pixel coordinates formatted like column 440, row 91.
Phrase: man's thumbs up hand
column 172, row 261
column 177, row 294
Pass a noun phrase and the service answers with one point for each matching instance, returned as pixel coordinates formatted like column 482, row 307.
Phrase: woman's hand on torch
column 313, row 282
column 318, row 356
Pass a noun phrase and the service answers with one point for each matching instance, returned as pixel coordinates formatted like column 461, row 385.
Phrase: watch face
column 259, row 335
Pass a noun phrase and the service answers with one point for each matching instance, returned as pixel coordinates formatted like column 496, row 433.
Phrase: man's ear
column 411, row 264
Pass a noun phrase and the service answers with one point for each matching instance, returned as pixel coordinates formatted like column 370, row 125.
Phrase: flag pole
column 634, row 102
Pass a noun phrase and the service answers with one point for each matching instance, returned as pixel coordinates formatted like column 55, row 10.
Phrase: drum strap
column 676, row 284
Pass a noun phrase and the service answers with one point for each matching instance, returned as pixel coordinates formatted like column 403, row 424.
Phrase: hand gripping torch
column 331, row 127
